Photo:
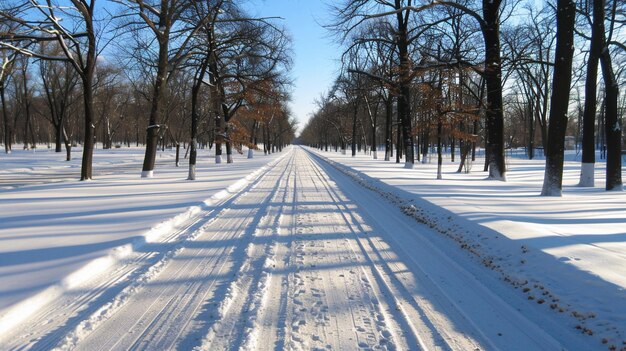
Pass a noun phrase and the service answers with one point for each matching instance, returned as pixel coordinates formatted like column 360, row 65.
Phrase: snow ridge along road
column 301, row 258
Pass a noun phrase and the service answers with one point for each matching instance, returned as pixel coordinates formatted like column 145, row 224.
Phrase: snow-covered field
column 291, row 251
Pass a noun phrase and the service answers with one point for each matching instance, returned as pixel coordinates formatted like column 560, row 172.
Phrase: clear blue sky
column 316, row 55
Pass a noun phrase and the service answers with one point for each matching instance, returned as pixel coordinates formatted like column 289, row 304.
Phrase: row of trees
column 176, row 71
column 464, row 73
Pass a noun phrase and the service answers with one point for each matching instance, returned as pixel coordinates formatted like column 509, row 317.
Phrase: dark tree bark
column 404, row 99
column 86, row 172
column 439, row 146
column 425, row 144
column 87, row 78
column 587, row 176
column 6, row 67
column 374, row 120
column 195, row 92
column 612, row 127
column 5, row 118
column 452, row 148
column 27, row 102
column 476, row 128
column 398, row 141
column 67, row 142
column 493, row 80
column 156, row 107
column 355, row 113
column 531, row 131
column 388, row 127
column 561, row 84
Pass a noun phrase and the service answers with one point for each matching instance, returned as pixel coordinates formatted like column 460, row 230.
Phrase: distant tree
column 351, row 16
column 59, row 83
column 110, row 102
column 489, row 23
column 23, row 93
column 6, row 69
column 531, row 47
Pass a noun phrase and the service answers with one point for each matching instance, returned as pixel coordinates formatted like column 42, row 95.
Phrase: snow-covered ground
column 299, row 251
column 52, row 225
column 568, row 254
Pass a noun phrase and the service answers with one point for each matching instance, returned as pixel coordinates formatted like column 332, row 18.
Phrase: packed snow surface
column 304, row 250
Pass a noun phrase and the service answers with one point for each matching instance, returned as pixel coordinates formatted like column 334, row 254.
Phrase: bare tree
column 613, row 128
column 351, row 16
column 163, row 20
column 6, row 69
column 42, row 22
column 559, row 102
column 59, row 83
column 587, row 171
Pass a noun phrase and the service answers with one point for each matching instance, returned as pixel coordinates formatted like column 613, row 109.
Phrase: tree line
column 201, row 73
column 464, row 74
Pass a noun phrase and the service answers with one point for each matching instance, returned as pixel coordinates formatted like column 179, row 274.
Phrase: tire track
column 329, row 305
column 110, row 303
column 247, row 291
column 456, row 310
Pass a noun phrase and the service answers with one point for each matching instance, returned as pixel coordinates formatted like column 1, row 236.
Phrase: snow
column 305, row 250
column 571, row 247
column 58, row 234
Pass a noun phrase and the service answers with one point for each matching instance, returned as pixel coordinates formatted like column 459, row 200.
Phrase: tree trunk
column 398, row 142
column 264, row 132
column 553, row 178
column 425, row 142
column 493, row 79
column 587, row 169
column 374, row 146
column 177, row 145
column 388, row 128
column 462, row 147
column 152, row 132
column 58, row 136
column 439, row 151
column 26, row 128
column 68, row 145
column 404, row 99
column 452, row 148
column 531, row 131
column 229, row 151
column 354, row 116
column 88, row 142
column 465, row 150
column 474, row 142
column 253, row 141
column 5, row 117
column 612, row 127
column 220, row 117
column 88, row 146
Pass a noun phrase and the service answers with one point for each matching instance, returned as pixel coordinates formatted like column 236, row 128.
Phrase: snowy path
column 302, row 258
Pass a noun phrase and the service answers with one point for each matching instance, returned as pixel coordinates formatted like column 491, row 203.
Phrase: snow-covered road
column 300, row 258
